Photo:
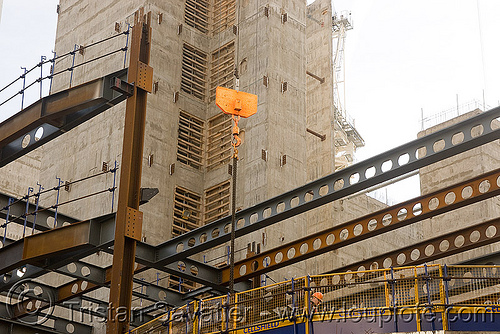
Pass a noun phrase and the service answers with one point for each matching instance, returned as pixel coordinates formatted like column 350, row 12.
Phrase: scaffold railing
column 416, row 291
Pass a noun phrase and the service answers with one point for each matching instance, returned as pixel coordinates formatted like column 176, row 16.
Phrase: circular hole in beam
column 26, row 141
column 467, row 192
column 303, row 248
column 386, row 166
column 330, row 239
column 475, row 236
column 484, row 186
column 476, row 131
column 450, row 198
column 438, row 145
column 444, row 245
column 278, row 257
column 415, row 254
column 370, row 172
column 372, row 224
column 354, row 178
column 38, row 134
column 457, row 138
column 403, row 159
column 421, row 152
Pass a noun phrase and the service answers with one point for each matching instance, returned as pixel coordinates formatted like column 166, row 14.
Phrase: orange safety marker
column 237, row 104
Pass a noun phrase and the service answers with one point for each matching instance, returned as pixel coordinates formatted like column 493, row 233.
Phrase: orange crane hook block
column 238, row 104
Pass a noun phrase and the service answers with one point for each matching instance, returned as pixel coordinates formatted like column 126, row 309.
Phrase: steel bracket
column 144, row 78
column 134, row 224
column 121, row 86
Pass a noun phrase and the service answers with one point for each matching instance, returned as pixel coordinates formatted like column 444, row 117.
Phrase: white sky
column 400, row 57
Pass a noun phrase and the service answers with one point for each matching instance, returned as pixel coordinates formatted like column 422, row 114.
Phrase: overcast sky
column 404, row 56
column 401, row 57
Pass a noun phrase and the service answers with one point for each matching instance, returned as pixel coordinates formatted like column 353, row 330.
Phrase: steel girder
column 8, row 326
column 88, row 237
column 56, row 247
column 31, row 323
column 128, row 227
column 432, row 249
column 388, row 219
column 383, row 167
column 56, row 114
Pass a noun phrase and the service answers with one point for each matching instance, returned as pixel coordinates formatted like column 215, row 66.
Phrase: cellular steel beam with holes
column 56, row 114
column 388, row 219
column 44, row 250
column 432, row 249
column 18, row 327
column 383, row 167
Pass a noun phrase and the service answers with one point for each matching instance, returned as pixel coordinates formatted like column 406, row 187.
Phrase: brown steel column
column 128, row 218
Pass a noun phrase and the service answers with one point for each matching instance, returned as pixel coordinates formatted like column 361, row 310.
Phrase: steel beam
column 398, row 161
column 432, row 249
column 188, row 269
column 128, row 227
column 52, row 247
column 29, row 315
column 44, row 251
column 84, row 271
column 388, row 219
column 56, row 114
column 8, row 326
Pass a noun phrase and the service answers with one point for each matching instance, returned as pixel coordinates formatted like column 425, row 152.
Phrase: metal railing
column 443, row 116
column 416, row 290
column 37, row 74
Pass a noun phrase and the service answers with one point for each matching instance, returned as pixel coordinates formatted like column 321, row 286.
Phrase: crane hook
column 236, row 139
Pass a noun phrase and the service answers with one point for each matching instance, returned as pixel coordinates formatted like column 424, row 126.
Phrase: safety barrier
column 427, row 297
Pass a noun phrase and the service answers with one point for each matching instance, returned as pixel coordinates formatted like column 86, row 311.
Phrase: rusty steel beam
column 128, row 227
column 432, row 249
column 394, row 217
column 42, row 248
column 56, row 114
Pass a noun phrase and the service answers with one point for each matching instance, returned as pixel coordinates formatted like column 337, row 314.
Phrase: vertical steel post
column 444, row 296
column 394, row 304
column 40, row 188
column 114, row 188
column 11, row 200
column 429, row 300
column 307, row 303
column 24, row 85
column 56, row 206
column 53, row 61
column 126, row 46
column 417, row 301
column 30, row 189
column 72, row 65
column 42, row 59
column 122, row 272
column 293, row 308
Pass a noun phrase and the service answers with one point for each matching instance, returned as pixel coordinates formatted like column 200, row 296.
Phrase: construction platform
column 405, row 299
